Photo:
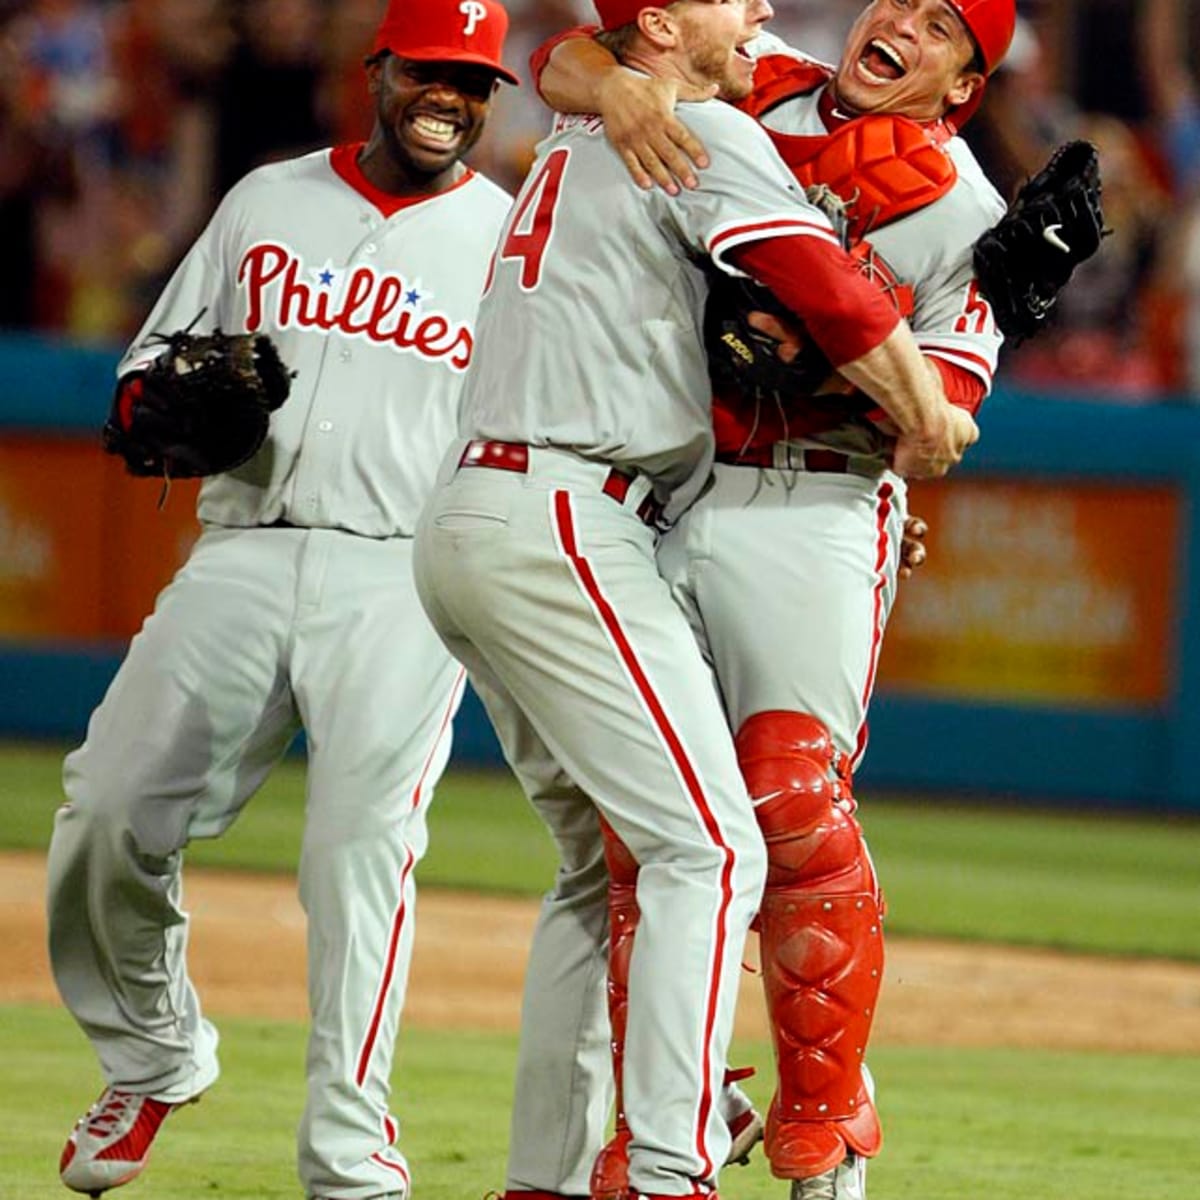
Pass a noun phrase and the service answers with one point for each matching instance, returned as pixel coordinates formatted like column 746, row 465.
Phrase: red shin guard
column 610, row 1173
column 821, row 944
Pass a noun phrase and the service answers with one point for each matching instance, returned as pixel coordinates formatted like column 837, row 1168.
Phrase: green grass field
column 962, row 1125
column 1000, row 1124
column 1100, row 884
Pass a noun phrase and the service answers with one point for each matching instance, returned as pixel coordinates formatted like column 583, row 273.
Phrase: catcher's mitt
column 744, row 360
column 1054, row 224
column 201, row 408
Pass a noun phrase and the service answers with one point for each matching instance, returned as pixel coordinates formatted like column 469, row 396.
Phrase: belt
column 787, row 457
column 514, row 456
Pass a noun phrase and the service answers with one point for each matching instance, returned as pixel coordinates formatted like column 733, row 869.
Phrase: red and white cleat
column 111, row 1142
column 610, row 1174
column 746, row 1130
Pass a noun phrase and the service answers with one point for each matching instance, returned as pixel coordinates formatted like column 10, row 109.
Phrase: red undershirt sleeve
column 842, row 310
column 963, row 388
column 541, row 56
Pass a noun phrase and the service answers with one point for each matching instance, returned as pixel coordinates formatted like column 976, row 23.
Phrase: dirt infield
column 247, row 957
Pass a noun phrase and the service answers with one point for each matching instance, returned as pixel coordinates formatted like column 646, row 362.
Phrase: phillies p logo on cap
column 466, row 31
column 475, row 12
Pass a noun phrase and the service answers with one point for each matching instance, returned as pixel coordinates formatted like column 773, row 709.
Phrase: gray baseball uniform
column 787, row 577
column 819, row 551
column 589, row 404
column 296, row 608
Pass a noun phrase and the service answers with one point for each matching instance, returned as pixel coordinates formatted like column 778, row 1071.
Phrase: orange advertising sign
column 1039, row 593
column 83, row 547
column 51, row 553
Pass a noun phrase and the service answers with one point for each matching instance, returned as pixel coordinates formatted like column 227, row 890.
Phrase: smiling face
column 711, row 34
column 914, row 58
column 738, row 81
column 428, row 115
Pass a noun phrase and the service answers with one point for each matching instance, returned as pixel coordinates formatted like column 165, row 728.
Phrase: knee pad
column 791, row 771
column 783, row 732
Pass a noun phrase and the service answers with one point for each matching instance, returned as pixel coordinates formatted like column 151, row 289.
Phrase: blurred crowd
column 123, row 121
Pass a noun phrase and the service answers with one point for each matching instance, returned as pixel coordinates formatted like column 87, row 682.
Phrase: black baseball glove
column 744, row 360
column 201, row 408
column 1054, row 224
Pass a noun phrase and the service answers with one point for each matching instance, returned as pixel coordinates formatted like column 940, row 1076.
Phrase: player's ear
column 658, row 27
column 963, row 88
column 374, row 66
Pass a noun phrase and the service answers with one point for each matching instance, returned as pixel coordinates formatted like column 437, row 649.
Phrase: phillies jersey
column 297, row 250
column 589, row 334
column 929, row 249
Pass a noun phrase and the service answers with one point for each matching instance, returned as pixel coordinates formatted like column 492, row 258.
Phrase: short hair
column 617, row 41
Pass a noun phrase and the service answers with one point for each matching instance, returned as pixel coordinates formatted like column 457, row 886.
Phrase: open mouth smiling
column 881, row 62
column 436, row 130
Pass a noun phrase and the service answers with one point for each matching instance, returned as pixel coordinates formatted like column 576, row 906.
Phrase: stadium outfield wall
column 1049, row 651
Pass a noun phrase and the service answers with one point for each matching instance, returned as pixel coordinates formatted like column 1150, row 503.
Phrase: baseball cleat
column 610, row 1175
column 746, row 1130
column 111, row 1142
column 846, row 1181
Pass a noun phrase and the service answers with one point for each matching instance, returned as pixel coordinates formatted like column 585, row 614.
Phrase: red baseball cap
column 615, row 13
column 467, row 31
column 991, row 23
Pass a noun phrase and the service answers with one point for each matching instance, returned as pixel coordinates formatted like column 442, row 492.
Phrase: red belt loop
column 617, row 485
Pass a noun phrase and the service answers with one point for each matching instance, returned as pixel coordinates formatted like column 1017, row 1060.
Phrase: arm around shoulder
column 580, row 75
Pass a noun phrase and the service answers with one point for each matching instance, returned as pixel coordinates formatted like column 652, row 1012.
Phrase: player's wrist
column 931, row 427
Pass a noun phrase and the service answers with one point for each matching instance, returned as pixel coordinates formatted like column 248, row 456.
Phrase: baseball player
column 297, row 609
column 586, row 420
column 787, row 566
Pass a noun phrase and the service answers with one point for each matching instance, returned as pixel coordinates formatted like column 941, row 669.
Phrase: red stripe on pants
column 565, row 524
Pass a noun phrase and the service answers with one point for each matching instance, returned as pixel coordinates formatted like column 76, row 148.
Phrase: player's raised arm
column 575, row 73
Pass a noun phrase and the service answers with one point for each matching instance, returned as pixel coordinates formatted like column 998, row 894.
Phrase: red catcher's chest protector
column 881, row 165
